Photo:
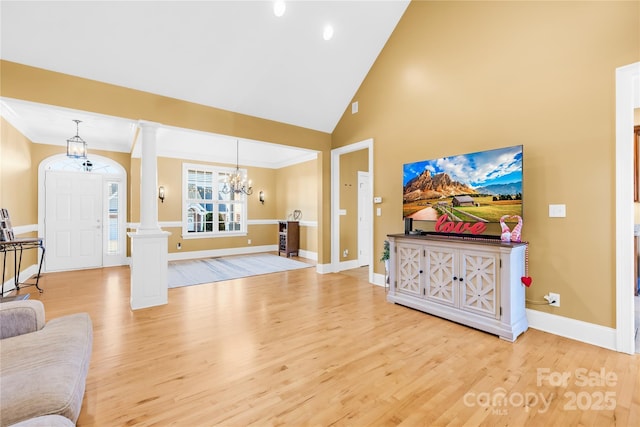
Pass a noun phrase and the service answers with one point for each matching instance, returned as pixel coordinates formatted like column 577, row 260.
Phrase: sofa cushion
column 20, row 317
column 44, row 372
column 46, row 421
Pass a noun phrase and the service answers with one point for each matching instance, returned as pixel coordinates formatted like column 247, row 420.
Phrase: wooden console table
column 17, row 246
column 473, row 282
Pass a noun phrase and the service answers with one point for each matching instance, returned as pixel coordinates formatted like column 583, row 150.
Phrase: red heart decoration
column 526, row 280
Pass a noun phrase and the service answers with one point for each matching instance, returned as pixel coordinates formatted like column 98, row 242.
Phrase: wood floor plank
column 302, row 349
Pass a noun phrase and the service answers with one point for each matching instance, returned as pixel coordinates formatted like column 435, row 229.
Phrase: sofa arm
column 20, row 317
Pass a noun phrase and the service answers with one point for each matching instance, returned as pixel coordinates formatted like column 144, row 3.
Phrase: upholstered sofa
column 43, row 366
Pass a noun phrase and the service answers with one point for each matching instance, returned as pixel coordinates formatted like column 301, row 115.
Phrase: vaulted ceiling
column 234, row 55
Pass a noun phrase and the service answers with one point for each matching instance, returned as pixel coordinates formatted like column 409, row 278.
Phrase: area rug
column 208, row 270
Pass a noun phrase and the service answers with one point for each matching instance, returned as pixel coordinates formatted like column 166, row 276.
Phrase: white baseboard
column 308, row 255
column 324, row 268
column 9, row 285
column 578, row 330
column 348, row 265
column 378, row 279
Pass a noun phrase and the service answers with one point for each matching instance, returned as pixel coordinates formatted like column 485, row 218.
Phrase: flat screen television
column 473, row 187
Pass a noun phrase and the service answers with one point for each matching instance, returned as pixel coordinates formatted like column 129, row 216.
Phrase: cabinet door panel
column 409, row 268
column 440, row 285
column 479, row 287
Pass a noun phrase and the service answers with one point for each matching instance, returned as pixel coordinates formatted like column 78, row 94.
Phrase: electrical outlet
column 345, row 253
column 248, row 241
column 554, row 299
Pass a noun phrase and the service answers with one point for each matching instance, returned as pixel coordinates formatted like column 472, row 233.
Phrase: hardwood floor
column 298, row 348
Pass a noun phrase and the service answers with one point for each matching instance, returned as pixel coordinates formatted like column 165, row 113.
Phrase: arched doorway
column 82, row 212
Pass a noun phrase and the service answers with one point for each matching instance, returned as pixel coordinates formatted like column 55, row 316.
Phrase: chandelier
column 236, row 182
column 76, row 146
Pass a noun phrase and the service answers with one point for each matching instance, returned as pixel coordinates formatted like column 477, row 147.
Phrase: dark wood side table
column 289, row 238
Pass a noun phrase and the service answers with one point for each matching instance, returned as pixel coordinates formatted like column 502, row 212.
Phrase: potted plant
column 385, row 259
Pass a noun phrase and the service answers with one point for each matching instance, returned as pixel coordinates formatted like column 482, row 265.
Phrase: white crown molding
column 49, row 124
column 14, row 120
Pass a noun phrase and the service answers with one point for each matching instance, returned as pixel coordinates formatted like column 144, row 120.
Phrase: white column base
column 149, row 270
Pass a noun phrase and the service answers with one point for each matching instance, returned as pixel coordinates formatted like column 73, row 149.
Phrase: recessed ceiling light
column 279, row 7
column 328, row 32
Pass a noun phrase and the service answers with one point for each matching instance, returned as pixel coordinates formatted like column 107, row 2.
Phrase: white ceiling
column 233, row 55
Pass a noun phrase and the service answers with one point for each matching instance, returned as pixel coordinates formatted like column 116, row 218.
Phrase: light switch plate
column 557, row 211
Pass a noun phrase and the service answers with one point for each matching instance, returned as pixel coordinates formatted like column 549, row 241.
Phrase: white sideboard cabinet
column 473, row 282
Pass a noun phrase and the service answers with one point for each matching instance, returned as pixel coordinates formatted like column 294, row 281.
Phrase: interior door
column 364, row 218
column 73, row 220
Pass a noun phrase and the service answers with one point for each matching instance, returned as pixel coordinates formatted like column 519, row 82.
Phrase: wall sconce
column 161, row 193
column 262, row 197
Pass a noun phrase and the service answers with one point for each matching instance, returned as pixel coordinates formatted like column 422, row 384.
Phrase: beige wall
column 297, row 189
column 459, row 77
column 350, row 164
column 16, row 176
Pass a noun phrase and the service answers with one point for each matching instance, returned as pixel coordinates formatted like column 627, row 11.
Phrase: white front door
column 73, row 220
column 364, row 218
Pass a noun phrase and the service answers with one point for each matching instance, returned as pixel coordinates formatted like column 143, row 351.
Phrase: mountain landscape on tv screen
column 440, row 185
column 499, row 189
column 481, row 186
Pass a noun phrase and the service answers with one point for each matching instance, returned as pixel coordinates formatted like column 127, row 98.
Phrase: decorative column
column 149, row 244
column 148, row 178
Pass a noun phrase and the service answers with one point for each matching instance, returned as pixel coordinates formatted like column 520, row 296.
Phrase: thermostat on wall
column 377, row 200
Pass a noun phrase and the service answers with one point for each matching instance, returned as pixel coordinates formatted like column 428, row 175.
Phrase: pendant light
column 76, row 146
